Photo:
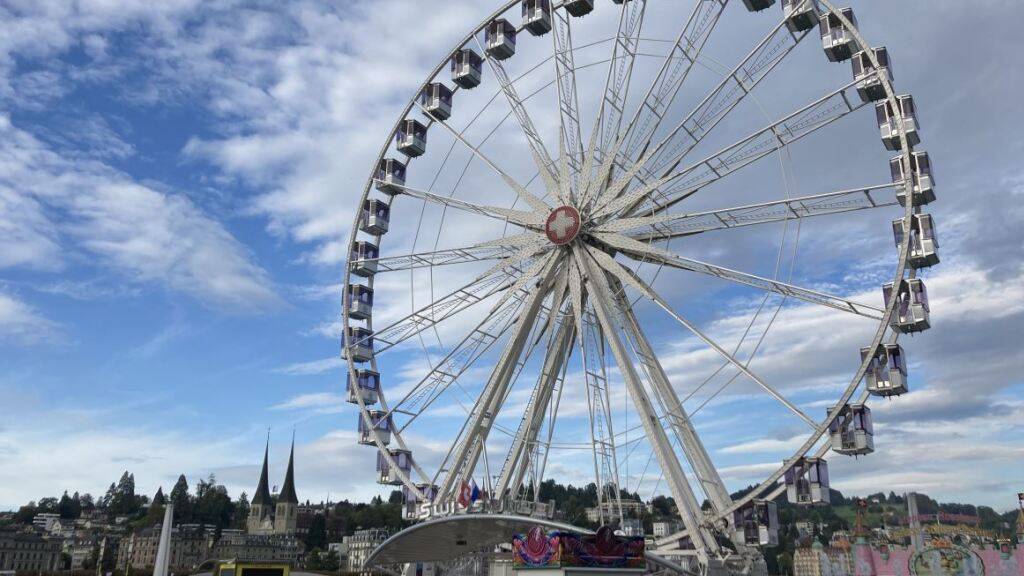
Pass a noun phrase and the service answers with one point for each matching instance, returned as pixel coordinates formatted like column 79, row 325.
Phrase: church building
column 270, row 515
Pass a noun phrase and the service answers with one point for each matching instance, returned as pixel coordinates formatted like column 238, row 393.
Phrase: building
column 663, row 528
column 190, row 546
column 258, row 547
column 44, row 520
column 268, row 515
column 361, row 544
column 806, row 527
column 1020, row 519
column 28, row 551
column 632, row 527
column 630, row 509
column 817, row 560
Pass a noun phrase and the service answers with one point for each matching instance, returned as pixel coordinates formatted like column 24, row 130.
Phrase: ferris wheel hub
column 563, row 225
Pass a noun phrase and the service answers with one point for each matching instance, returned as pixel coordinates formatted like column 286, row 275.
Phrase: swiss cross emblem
column 563, row 225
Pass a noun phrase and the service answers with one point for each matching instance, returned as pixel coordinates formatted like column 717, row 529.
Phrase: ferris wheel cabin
column 579, row 7
column 807, row 482
column 836, row 39
column 757, row 523
column 436, row 100
column 390, row 176
column 358, row 344
column 924, row 243
column 359, row 301
column 388, row 473
column 413, row 503
column 852, row 432
column 758, row 5
column 537, row 16
column 363, row 258
column 381, row 424
column 921, row 178
column 911, row 314
column 467, row 68
column 500, row 39
column 374, row 217
column 889, row 124
column 801, row 15
column 364, row 384
column 887, row 372
column 411, row 138
column 869, row 80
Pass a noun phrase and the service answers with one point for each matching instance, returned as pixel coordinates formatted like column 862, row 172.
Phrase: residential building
column 817, row 560
column 28, row 551
column 258, row 547
column 361, row 544
column 190, row 545
column 44, row 520
column 664, row 528
column 806, row 527
column 630, row 509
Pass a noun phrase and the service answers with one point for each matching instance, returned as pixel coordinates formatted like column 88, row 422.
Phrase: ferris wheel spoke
column 521, row 453
column 724, row 98
column 534, row 202
column 627, row 277
column 646, row 252
column 673, row 73
column 462, row 459
column 499, row 249
column 500, row 278
column 696, row 454
column 541, row 156
column 613, row 102
column 668, row 226
column 602, row 298
column 570, row 137
column 521, row 218
column 684, row 183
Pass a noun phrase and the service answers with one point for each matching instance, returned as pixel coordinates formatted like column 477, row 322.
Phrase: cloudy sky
column 178, row 181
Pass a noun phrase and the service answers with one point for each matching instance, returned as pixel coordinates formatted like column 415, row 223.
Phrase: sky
column 178, row 181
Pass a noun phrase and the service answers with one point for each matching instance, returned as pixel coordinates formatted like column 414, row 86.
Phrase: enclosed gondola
column 358, row 344
column 436, row 100
column 921, row 178
column 537, row 16
column 911, row 313
column 467, row 68
column 388, row 473
column 887, row 372
column 757, row 523
column 924, row 243
column 807, row 482
column 411, row 138
column 359, row 301
column 838, row 40
column 579, row 7
column 374, row 217
column 852, row 432
column 390, row 176
column 363, row 258
column 500, row 39
column 889, row 124
column 381, row 423
column 364, row 384
column 869, row 79
column 758, row 5
column 800, row 15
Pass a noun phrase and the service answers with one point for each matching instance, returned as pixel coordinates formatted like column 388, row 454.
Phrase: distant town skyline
column 177, row 182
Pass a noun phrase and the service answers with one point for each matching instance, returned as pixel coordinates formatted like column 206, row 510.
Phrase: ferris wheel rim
column 884, row 322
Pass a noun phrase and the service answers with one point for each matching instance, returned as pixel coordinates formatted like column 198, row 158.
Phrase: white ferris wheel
column 542, row 225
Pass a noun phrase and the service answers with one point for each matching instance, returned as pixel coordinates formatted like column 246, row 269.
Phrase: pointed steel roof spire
column 288, row 490
column 262, row 495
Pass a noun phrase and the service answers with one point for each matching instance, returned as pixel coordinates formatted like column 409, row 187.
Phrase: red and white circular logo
column 563, row 225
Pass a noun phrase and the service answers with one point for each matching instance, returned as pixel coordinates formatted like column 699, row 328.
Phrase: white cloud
column 22, row 324
column 312, row 367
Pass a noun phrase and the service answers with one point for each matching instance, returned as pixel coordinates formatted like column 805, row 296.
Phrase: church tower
column 287, row 513
column 261, row 509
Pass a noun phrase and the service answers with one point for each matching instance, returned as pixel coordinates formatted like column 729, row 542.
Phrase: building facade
column 28, row 551
column 630, row 509
column 258, row 547
column 190, row 546
column 269, row 515
column 819, row 560
column 360, row 544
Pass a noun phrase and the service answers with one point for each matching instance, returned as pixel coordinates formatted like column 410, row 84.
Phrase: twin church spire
column 268, row 515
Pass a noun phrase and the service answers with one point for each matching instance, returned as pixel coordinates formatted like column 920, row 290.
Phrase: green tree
column 330, row 562
column 181, row 500
column 317, row 535
column 313, row 561
column 241, row 511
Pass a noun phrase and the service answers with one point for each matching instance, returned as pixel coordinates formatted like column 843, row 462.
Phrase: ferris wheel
column 538, row 234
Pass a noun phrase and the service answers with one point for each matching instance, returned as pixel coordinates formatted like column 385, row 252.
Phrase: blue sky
column 177, row 182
